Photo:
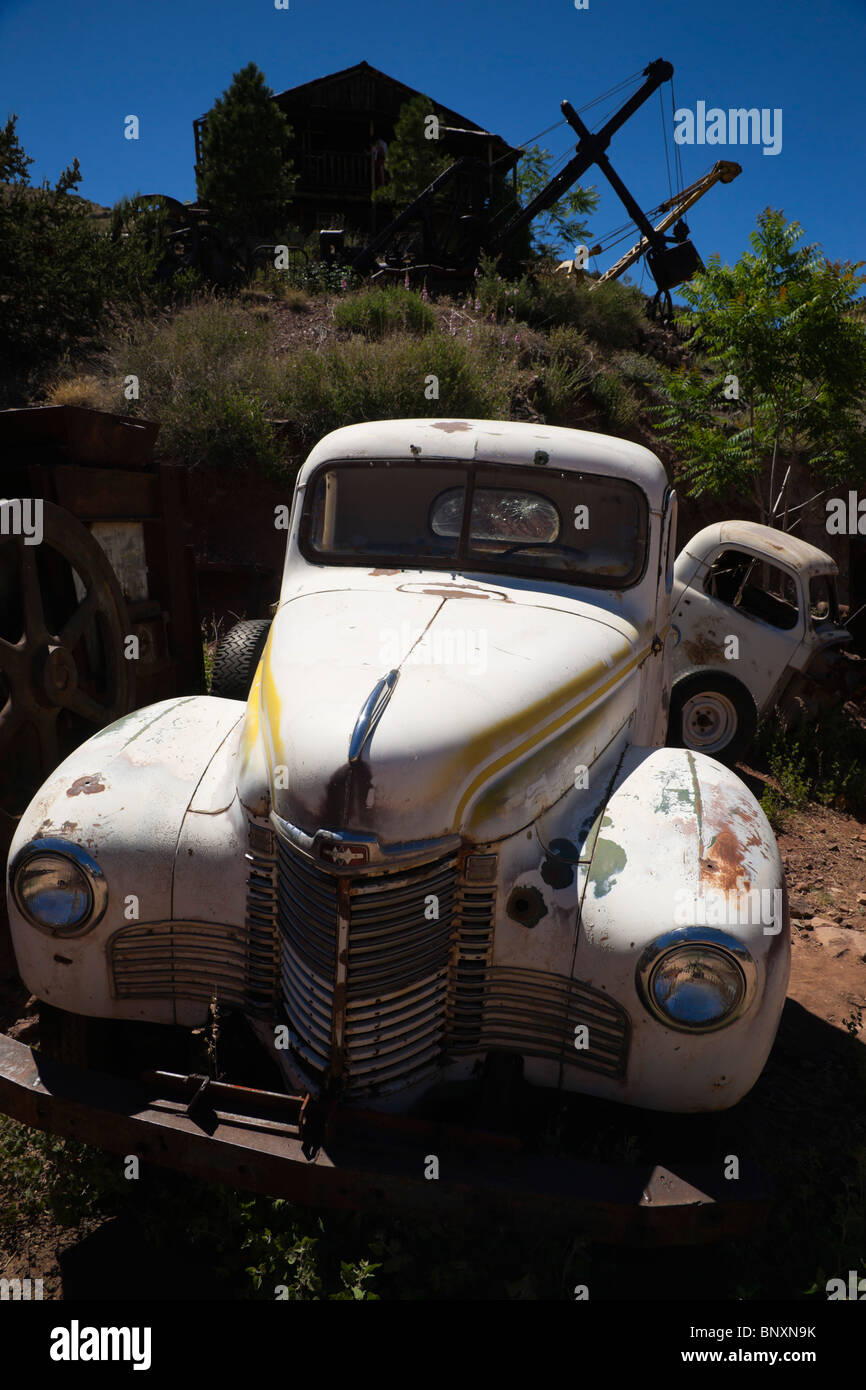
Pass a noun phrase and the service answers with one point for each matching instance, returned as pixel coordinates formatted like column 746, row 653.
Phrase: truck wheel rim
column 709, row 722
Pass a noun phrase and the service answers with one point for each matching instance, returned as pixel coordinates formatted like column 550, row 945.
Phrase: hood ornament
column 374, row 708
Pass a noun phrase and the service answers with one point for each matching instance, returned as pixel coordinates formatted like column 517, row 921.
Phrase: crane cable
column 618, row 234
column 665, row 143
column 624, row 230
column 580, row 110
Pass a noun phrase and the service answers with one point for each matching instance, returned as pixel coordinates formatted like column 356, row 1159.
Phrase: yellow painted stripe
column 550, row 728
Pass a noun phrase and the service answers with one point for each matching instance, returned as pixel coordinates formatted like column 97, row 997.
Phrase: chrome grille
column 385, row 1025
column 307, row 900
column 397, row 973
column 180, row 960
column 537, row 1013
column 473, row 947
column 205, row 960
column 261, row 922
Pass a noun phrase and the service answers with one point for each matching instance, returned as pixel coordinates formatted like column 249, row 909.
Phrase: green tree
column 413, row 160
column 13, row 161
column 560, row 227
column 779, row 374
column 58, row 271
column 51, row 263
column 245, row 174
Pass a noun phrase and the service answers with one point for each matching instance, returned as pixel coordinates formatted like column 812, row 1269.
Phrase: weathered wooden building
column 338, row 123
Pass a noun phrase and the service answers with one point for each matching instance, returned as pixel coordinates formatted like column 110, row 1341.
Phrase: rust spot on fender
column 451, row 426
column 375, row 572
column 89, row 785
column 723, row 863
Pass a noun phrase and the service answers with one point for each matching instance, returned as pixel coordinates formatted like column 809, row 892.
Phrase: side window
column 823, row 605
column 755, row 587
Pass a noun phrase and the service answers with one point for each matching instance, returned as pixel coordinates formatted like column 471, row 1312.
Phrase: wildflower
column 343, row 283
column 424, row 295
column 477, row 273
column 477, row 305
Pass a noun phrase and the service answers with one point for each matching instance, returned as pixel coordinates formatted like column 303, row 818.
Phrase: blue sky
column 73, row 71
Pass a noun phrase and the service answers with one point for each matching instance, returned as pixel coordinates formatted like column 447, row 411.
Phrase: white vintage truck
column 441, row 822
column 756, row 618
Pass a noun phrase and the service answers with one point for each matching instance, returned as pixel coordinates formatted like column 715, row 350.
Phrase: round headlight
column 694, row 984
column 59, row 890
column 697, row 987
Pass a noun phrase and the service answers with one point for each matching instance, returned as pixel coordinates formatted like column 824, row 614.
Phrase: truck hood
column 485, row 684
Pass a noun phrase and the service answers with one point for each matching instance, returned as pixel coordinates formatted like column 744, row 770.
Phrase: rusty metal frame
column 289, row 1146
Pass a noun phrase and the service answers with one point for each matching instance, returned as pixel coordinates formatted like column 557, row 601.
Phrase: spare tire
column 712, row 713
column 237, row 658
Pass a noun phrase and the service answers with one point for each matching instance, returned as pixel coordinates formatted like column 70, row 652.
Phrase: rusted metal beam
column 284, row 1146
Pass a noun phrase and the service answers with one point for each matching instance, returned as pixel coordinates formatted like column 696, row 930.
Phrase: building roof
column 306, row 93
column 307, row 90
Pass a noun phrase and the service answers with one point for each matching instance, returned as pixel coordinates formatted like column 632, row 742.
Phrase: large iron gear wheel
column 63, row 669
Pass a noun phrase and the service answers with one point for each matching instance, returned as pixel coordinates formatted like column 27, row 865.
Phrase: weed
column 375, row 313
column 619, row 408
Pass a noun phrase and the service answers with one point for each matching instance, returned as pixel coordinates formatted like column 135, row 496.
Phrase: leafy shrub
column 821, row 759
column 639, row 370
column 206, row 375
column 617, row 404
column 353, row 380
column 775, row 809
column 568, row 344
column 377, row 312
column 268, row 284
column 561, row 386
column 788, row 766
column 505, row 299
column 321, row 277
column 610, row 314
column 565, row 375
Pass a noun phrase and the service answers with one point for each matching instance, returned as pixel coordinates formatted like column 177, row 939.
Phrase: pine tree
column 13, row 160
column 413, row 160
column 244, row 175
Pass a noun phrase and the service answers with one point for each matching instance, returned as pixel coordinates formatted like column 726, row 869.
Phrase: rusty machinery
column 112, row 564
column 451, row 247
column 193, row 238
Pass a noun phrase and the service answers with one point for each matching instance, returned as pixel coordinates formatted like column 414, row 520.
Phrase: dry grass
column 296, row 299
column 89, row 391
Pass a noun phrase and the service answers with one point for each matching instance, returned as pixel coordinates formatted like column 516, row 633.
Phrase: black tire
column 237, row 657
column 726, row 725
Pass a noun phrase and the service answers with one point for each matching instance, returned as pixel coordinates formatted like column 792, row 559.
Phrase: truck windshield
column 540, row 521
